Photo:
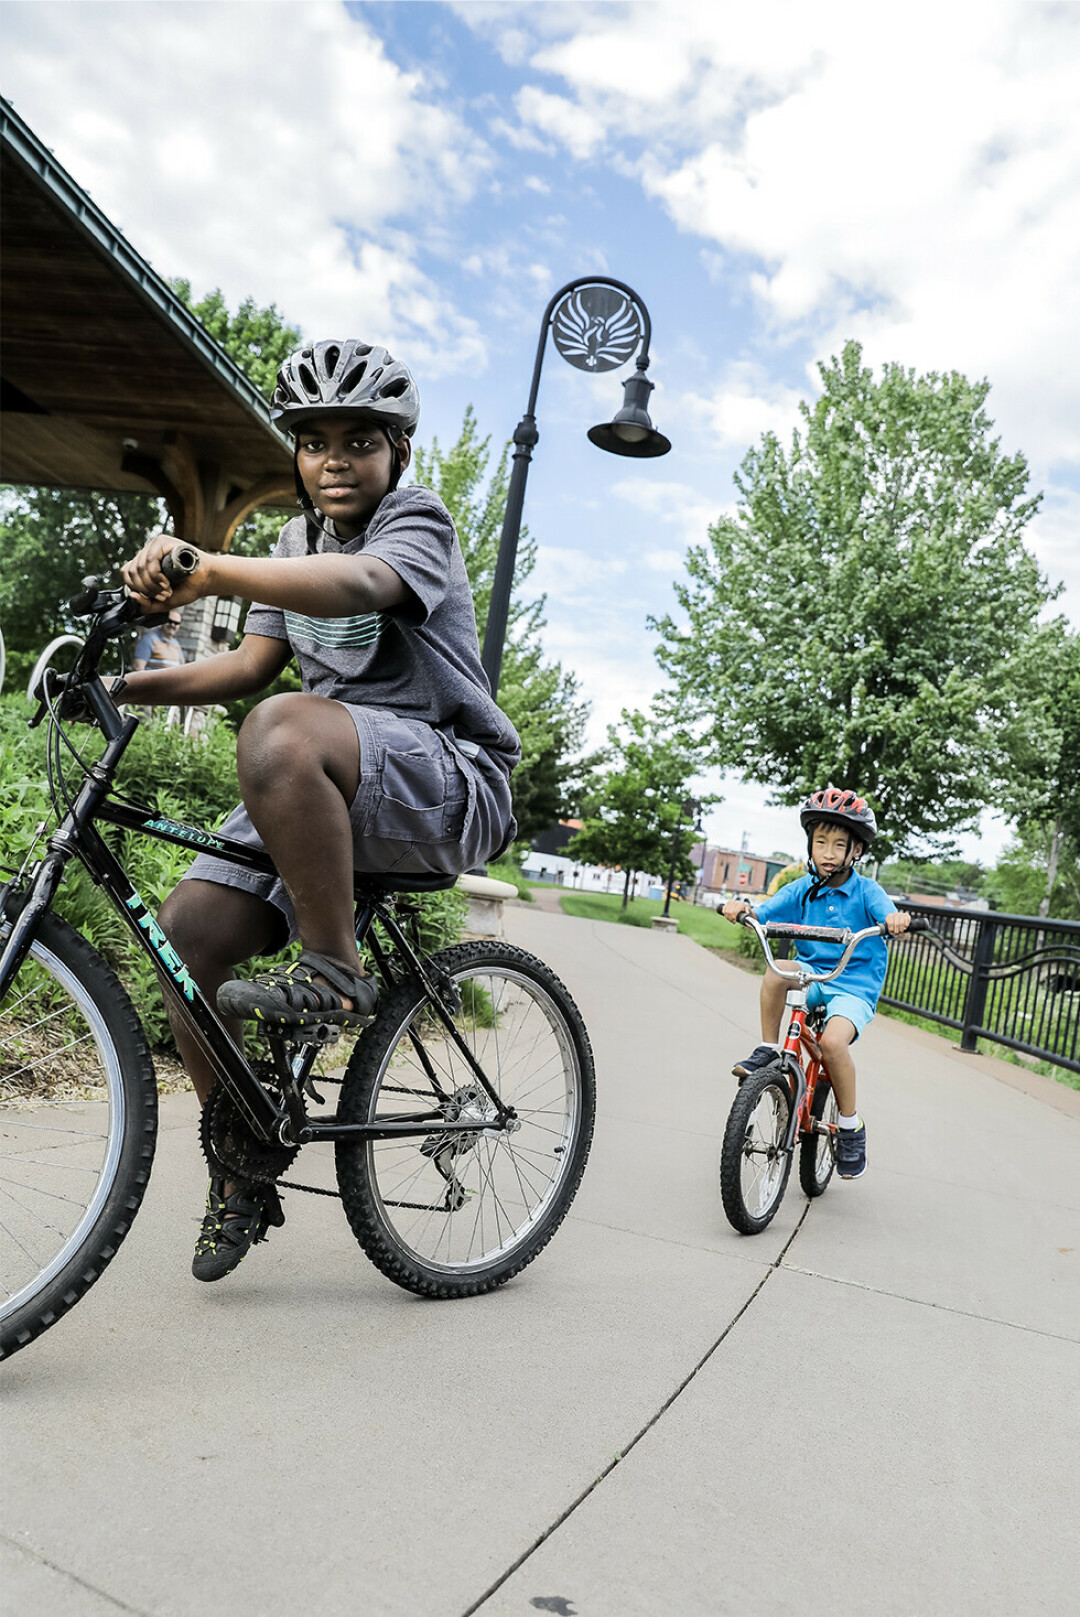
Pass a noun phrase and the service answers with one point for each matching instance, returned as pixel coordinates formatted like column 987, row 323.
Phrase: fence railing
column 1013, row 979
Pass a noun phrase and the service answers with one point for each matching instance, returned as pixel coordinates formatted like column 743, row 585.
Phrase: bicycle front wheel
column 817, row 1152
column 78, row 1124
column 453, row 1215
column 754, row 1166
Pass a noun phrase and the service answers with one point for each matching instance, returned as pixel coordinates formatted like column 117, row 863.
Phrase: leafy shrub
column 187, row 778
column 506, row 870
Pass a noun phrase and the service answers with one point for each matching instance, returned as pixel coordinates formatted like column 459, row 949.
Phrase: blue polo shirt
column 858, row 903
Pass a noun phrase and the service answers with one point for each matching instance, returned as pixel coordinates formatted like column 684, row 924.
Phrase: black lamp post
column 597, row 323
column 689, row 809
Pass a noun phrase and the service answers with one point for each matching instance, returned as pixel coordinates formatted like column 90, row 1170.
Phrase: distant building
column 734, row 870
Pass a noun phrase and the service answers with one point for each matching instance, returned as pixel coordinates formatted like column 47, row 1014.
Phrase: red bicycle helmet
column 845, row 809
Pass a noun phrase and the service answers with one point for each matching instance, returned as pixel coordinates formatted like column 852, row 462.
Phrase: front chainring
column 233, row 1150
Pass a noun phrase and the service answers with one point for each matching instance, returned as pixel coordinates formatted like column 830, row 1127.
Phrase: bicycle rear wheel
column 754, row 1167
column 78, row 1124
column 817, row 1153
column 453, row 1215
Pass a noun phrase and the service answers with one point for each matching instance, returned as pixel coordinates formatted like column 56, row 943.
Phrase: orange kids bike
column 790, row 1102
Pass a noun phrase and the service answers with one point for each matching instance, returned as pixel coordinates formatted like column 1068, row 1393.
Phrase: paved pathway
column 870, row 1408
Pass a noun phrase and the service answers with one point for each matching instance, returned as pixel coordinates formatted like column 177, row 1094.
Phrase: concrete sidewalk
column 871, row 1407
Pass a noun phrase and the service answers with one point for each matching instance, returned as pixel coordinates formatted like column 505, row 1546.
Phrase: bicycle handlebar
column 822, row 934
column 177, row 564
column 114, row 611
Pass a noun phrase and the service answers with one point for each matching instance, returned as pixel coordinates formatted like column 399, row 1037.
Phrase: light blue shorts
column 839, row 1003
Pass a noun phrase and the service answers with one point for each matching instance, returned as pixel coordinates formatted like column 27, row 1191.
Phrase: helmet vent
column 307, row 381
column 353, row 376
column 394, row 389
column 332, row 357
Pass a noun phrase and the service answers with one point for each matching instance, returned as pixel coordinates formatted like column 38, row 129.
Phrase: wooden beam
column 224, row 523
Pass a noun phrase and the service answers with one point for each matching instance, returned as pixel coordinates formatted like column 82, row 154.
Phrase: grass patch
column 695, row 920
column 506, row 870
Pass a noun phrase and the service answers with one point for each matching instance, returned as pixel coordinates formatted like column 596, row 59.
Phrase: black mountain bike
column 465, row 1110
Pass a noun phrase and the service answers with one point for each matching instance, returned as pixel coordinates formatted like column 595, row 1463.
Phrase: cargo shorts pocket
column 421, row 795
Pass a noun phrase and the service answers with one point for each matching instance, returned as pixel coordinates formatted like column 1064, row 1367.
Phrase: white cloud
column 911, row 179
column 743, row 404
column 663, row 561
column 282, row 192
column 1054, row 536
column 577, row 129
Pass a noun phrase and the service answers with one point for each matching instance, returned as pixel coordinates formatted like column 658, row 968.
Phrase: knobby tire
column 386, row 1071
column 33, row 1301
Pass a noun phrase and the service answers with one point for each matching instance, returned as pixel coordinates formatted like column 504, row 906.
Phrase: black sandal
column 290, row 996
column 232, row 1225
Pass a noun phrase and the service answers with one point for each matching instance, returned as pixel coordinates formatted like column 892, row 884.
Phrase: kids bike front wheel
column 78, row 1123
column 817, row 1152
column 452, row 1214
column 754, row 1166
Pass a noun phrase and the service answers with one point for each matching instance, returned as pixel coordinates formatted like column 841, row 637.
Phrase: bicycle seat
column 364, row 881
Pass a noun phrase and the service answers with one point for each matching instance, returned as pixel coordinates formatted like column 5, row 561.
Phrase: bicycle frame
column 797, row 1037
column 796, row 1040
column 76, row 836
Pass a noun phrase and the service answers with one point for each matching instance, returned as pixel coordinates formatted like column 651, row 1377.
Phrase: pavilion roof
column 109, row 381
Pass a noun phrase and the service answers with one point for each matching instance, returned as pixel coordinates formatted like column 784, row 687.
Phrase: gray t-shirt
column 421, row 659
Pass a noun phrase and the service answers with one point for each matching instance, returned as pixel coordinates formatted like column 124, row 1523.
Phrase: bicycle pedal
column 319, row 1033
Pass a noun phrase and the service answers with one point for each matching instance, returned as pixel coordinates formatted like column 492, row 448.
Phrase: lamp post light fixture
column 597, row 324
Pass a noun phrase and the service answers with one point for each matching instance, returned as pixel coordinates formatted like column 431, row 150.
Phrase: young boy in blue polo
column 840, row 827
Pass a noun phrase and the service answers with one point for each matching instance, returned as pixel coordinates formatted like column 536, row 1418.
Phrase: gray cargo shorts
column 423, row 807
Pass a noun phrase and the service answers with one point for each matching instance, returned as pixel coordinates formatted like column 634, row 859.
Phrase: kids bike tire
column 754, row 1169
column 401, row 1197
column 817, row 1153
column 88, row 994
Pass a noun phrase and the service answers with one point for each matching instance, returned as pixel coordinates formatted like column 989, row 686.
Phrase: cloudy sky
column 773, row 179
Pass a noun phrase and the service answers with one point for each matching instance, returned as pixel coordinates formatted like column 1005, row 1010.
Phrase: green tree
column 50, row 539
column 539, row 697
column 637, row 811
column 938, row 877
column 1043, row 788
column 857, row 621
column 1038, row 874
column 258, row 340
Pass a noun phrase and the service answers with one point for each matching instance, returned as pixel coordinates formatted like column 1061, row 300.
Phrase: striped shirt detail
column 335, row 632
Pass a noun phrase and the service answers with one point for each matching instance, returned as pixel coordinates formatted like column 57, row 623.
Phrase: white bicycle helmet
column 346, row 375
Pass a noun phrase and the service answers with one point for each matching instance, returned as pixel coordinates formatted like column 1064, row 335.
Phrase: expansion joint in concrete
column 493, row 1588
column 73, row 1577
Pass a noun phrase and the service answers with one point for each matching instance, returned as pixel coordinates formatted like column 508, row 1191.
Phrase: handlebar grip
column 79, row 605
column 180, row 563
column 919, row 923
column 819, row 934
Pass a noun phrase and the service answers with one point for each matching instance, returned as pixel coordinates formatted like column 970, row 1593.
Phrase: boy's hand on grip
column 897, row 922
column 734, row 908
column 148, row 582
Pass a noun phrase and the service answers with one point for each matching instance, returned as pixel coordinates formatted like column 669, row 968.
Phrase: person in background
column 160, row 647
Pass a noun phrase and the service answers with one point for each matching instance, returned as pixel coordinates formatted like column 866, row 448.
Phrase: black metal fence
column 1013, row 979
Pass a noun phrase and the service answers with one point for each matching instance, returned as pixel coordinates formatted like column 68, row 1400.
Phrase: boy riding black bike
column 394, row 758
column 840, row 828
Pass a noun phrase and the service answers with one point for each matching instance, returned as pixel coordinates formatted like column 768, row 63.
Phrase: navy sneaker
column 851, row 1152
column 763, row 1056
